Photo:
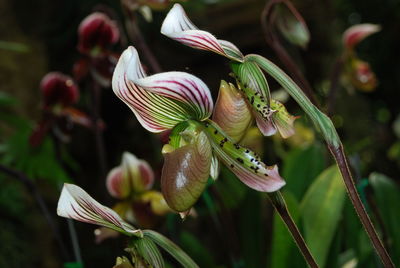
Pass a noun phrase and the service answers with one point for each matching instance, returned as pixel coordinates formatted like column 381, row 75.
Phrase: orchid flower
column 75, row 203
column 182, row 103
column 357, row 72
column 96, row 32
column 131, row 183
column 271, row 116
column 59, row 93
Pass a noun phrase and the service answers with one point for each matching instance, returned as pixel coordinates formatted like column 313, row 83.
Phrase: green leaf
column 387, row 197
column 149, row 251
column 251, row 230
column 193, row 247
column 321, row 209
column 73, row 265
column 171, row 248
column 301, row 166
column 14, row 46
column 284, row 252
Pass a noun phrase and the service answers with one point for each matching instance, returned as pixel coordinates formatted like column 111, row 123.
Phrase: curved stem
column 341, row 160
column 280, row 206
column 325, row 125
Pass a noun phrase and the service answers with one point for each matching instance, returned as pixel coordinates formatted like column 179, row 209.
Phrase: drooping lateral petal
column 185, row 173
column 231, row 111
column 282, row 119
column 118, row 186
column 76, row 204
column 244, row 163
column 265, row 124
column 154, row 112
column 182, row 87
column 178, row 26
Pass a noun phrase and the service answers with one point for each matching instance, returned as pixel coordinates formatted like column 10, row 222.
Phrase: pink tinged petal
column 185, row 173
column 182, row 87
column 243, row 162
column 118, row 186
column 355, row 34
column 138, row 172
column 282, row 119
column 265, row 124
column 154, row 112
column 75, row 203
column 178, row 26
column 231, row 111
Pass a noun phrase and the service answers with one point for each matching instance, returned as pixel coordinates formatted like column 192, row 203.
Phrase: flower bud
column 57, row 88
column 96, row 32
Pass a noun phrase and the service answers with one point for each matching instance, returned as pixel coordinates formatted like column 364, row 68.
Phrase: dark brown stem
column 280, row 206
column 136, row 37
column 339, row 155
column 21, row 177
column 378, row 217
column 272, row 39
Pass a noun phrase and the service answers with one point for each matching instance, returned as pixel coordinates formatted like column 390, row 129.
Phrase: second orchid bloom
column 182, row 103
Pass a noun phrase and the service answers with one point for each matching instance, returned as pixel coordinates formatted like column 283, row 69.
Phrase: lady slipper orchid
column 75, row 203
column 250, row 78
column 132, row 176
column 59, row 92
column 97, row 32
column 58, row 88
column 182, row 102
column 355, row 34
column 131, row 183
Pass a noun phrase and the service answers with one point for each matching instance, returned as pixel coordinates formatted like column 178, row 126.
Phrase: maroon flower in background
column 96, row 32
column 57, row 88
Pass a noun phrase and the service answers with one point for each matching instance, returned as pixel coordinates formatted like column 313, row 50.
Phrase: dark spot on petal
column 240, row 160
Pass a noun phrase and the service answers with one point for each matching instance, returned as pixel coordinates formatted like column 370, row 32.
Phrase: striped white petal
column 178, row 26
column 75, row 203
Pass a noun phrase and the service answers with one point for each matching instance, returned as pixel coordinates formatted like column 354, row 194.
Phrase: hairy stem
column 325, row 125
column 280, row 206
column 341, row 161
column 21, row 177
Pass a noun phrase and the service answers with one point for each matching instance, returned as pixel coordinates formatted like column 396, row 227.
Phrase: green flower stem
column 171, row 248
column 280, row 206
column 325, row 125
